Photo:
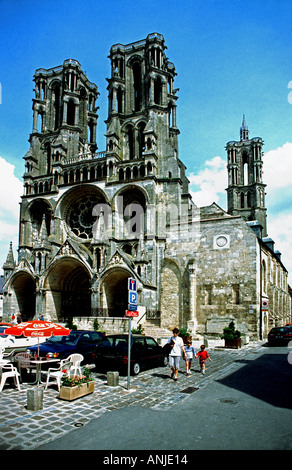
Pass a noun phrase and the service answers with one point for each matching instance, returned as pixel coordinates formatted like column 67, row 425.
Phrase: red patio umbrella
column 37, row 329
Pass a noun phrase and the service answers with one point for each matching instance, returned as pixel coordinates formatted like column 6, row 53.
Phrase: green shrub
column 138, row 331
column 230, row 333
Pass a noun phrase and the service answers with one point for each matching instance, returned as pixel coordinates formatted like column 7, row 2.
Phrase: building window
column 208, row 295
column 71, row 113
column 264, row 276
column 235, row 294
column 137, row 86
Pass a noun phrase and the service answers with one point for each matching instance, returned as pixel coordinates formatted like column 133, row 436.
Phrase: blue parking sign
column 133, row 297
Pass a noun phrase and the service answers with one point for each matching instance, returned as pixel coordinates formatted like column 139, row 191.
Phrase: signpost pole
column 129, row 354
column 131, row 312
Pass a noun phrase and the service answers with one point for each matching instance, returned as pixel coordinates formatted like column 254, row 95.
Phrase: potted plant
column 184, row 334
column 76, row 386
column 231, row 336
column 138, row 331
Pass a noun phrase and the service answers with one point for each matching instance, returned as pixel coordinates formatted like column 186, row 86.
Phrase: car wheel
column 165, row 361
column 136, row 368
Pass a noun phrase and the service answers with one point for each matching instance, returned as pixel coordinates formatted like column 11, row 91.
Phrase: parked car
column 112, row 351
column 280, row 335
column 16, row 343
column 78, row 341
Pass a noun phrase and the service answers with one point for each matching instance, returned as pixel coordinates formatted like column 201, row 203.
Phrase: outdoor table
column 39, row 362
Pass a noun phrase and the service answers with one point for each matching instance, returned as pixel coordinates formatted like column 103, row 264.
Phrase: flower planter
column 71, row 393
column 233, row 343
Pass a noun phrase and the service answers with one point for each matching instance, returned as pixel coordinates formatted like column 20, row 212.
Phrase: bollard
column 112, row 379
column 35, row 399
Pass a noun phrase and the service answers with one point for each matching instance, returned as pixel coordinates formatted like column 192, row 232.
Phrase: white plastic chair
column 75, row 361
column 5, row 357
column 56, row 374
column 9, row 371
column 23, row 362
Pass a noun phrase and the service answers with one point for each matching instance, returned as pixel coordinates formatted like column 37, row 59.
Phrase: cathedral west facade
column 90, row 220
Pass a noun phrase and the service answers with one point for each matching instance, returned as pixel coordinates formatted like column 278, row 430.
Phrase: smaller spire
column 141, row 252
column 243, row 130
column 99, row 231
column 10, row 263
column 43, row 234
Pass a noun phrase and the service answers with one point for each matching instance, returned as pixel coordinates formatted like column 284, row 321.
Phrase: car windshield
column 71, row 339
column 279, row 330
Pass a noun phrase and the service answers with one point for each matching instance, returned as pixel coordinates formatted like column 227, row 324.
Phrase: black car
column 78, row 341
column 112, row 352
column 280, row 335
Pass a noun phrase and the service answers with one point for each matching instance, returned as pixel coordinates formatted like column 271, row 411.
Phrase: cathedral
column 90, row 220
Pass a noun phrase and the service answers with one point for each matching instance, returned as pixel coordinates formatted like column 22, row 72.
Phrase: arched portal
column 23, row 296
column 115, row 292
column 68, row 291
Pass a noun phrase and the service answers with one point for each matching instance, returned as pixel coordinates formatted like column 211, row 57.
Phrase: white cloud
column 277, row 167
column 10, row 191
column 209, row 184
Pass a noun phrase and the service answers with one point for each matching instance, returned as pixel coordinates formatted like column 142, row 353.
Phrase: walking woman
column 177, row 346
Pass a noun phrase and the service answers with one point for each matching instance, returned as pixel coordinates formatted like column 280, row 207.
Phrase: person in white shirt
column 177, row 346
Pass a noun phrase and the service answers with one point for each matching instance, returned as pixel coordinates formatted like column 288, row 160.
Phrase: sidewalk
column 21, row 429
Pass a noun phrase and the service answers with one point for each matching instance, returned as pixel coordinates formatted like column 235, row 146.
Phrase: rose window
column 80, row 217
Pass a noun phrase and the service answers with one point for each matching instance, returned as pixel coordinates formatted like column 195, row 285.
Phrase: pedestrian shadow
column 267, row 378
column 161, row 376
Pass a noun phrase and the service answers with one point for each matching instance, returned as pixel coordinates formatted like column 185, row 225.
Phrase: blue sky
column 231, row 57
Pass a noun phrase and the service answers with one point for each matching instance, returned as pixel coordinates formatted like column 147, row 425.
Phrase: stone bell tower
column 64, row 119
column 141, row 120
column 64, row 132
column 246, row 190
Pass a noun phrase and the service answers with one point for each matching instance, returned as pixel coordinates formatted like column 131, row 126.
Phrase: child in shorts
column 190, row 352
column 203, row 356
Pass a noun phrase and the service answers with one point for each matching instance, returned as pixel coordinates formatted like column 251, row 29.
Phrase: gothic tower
column 141, row 121
column 246, row 190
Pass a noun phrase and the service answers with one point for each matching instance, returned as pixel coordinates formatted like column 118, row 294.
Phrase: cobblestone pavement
column 21, row 429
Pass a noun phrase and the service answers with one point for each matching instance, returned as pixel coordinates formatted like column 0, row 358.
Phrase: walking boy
column 203, row 356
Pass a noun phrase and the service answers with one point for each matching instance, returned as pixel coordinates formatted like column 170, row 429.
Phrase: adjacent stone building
column 90, row 220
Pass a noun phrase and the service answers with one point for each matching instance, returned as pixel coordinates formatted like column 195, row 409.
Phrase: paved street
column 243, row 402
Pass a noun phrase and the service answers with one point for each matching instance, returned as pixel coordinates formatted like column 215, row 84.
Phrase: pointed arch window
column 130, row 144
column 56, row 106
column 248, row 199
column 120, row 100
column 141, row 139
column 245, row 169
column 71, row 113
column 137, row 86
column 158, row 91
column 264, row 276
column 121, row 174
